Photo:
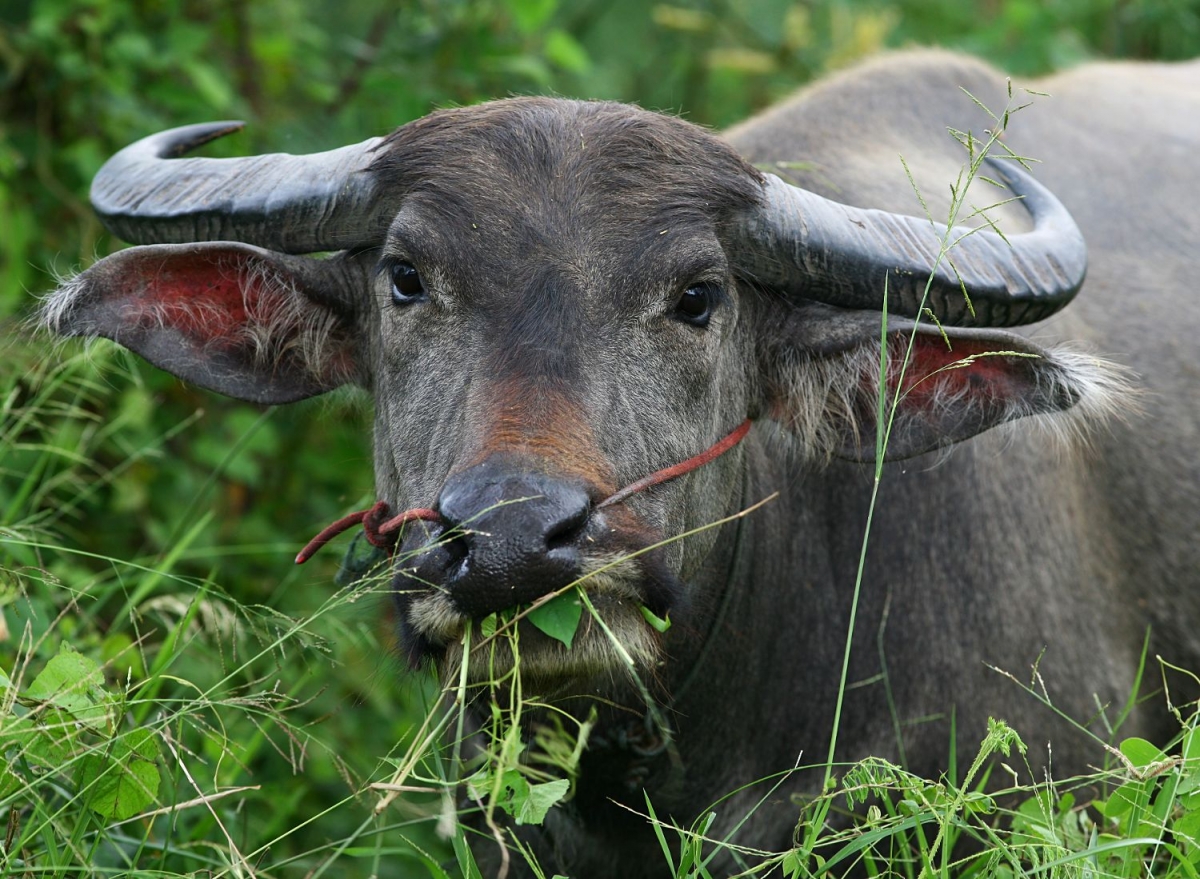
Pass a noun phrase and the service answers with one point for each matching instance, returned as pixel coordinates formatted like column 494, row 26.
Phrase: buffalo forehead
column 591, row 182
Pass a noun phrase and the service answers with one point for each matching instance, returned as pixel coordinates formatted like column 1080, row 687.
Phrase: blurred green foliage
column 121, row 462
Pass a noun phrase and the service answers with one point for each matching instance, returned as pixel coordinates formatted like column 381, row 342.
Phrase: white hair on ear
column 281, row 326
column 830, row 401
column 282, row 323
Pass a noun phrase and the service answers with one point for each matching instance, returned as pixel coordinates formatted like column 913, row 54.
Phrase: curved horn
column 815, row 248
column 294, row 204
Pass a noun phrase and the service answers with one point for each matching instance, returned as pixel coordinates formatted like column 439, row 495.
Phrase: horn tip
column 179, row 141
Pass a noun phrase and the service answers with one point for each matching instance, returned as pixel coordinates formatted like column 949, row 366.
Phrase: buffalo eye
column 696, row 304
column 407, row 286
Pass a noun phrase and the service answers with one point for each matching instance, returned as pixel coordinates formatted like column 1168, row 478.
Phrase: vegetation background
column 140, row 517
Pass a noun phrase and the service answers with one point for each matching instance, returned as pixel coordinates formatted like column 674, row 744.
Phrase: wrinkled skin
column 549, row 353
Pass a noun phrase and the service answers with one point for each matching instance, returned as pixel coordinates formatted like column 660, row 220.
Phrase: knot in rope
column 380, row 530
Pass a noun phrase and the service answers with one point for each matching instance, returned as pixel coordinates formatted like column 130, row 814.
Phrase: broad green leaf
column 1188, row 824
column 1168, row 795
column 538, row 799
column 16, row 731
column 1190, row 781
column 512, row 787
column 123, row 782
column 1126, row 797
column 559, row 617
column 1140, row 752
column 1191, row 743
column 74, row 683
column 52, row 741
column 10, row 782
column 1191, row 759
column 1190, row 801
column 979, row 802
column 49, row 742
column 487, row 625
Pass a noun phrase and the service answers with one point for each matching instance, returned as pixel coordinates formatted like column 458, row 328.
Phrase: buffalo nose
column 512, row 536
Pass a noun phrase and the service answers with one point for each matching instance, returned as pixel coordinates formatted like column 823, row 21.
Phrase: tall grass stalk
column 886, row 408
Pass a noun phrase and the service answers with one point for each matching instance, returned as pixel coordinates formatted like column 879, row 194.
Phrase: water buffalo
column 550, row 299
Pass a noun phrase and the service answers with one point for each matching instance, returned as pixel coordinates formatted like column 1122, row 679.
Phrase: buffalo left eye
column 696, row 304
column 407, row 286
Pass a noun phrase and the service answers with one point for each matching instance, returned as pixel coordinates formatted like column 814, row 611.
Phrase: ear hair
column 282, row 325
column 828, row 402
column 815, row 398
column 1105, row 391
column 236, row 319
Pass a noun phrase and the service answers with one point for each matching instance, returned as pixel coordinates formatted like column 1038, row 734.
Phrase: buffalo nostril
column 568, row 529
column 457, row 550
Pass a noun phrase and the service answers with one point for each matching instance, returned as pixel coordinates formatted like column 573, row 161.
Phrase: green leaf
column 1140, row 752
column 74, row 683
column 1188, row 824
column 1126, row 797
column 51, row 742
column 10, row 782
column 487, row 625
column 659, row 624
column 559, row 617
column 1164, row 803
column 1190, row 781
column 123, row 782
column 791, row 864
column 1191, row 745
column 538, row 799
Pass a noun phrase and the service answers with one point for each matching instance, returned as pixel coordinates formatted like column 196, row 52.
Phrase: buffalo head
column 548, row 300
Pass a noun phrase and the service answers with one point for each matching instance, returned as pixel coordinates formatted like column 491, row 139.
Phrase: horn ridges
column 811, row 247
column 145, row 194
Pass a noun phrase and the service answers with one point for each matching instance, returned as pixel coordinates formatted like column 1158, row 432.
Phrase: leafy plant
column 66, row 718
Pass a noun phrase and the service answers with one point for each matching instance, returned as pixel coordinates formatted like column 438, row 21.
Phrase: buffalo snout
column 510, row 536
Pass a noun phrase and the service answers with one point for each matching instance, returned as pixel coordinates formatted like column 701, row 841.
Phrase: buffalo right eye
column 407, row 286
column 696, row 305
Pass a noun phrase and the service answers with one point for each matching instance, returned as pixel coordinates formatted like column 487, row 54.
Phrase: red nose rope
column 384, row 533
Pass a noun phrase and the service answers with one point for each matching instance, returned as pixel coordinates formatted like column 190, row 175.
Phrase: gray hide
column 547, row 351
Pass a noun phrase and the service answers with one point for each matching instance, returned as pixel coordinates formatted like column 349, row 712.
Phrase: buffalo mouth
column 612, row 639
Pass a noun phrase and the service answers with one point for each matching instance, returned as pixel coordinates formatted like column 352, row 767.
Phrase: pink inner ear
column 937, row 371
column 212, row 301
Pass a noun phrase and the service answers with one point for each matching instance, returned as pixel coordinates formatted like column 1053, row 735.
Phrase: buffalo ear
column 822, row 370
column 236, row 319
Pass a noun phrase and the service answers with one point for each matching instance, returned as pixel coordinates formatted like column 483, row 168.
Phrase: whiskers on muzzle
column 617, row 585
